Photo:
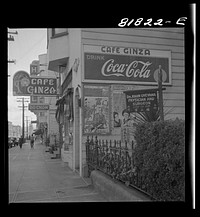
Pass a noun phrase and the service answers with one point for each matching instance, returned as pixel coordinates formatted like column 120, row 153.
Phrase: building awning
column 56, row 63
column 38, row 132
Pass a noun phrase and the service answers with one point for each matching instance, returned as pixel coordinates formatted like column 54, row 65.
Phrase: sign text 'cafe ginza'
column 24, row 85
column 125, row 65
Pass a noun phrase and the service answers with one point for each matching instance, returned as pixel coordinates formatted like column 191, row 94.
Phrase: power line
column 13, row 32
column 30, row 49
column 11, row 38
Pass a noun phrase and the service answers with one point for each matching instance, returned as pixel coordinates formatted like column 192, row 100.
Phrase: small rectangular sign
column 34, row 69
column 38, row 106
column 141, row 100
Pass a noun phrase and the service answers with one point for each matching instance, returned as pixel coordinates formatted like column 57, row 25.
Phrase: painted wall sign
column 127, row 65
column 141, row 100
column 96, row 110
column 24, row 85
column 38, row 106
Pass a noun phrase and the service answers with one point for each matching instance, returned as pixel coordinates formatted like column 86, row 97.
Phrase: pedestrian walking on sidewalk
column 32, row 141
column 20, row 142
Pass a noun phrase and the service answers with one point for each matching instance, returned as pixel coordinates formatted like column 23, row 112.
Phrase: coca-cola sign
column 118, row 68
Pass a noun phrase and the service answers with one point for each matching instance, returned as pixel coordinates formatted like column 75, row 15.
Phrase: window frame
column 55, row 35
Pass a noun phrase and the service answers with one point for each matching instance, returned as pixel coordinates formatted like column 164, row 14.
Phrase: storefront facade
column 111, row 76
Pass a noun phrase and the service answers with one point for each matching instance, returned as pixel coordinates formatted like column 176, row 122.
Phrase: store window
column 59, row 32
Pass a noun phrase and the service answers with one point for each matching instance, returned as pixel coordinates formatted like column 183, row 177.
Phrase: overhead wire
column 31, row 48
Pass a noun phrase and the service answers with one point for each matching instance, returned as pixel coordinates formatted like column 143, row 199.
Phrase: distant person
column 20, row 142
column 32, row 141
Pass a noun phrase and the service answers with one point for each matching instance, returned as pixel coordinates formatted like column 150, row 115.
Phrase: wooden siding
column 150, row 38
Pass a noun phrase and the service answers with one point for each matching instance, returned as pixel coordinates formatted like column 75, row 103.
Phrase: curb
column 114, row 190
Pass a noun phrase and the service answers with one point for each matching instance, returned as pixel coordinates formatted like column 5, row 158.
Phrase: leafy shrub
column 159, row 158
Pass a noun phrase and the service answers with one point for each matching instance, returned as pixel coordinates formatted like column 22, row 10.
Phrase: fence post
column 87, row 150
column 91, row 147
column 132, row 156
column 119, row 154
column 120, row 148
column 126, row 151
column 100, row 153
column 96, row 150
column 106, row 156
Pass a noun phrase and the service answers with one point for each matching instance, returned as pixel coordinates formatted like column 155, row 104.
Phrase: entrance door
column 77, row 131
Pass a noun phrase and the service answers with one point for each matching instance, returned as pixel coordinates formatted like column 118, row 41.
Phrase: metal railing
column 115, row 159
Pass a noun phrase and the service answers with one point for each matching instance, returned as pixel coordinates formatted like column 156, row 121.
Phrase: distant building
column 10, row 129
column 14, row 130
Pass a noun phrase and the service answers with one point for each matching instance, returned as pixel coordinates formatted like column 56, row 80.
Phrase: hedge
column 160, row 158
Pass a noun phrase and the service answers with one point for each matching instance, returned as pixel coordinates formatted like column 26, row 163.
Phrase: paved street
column 35, row 177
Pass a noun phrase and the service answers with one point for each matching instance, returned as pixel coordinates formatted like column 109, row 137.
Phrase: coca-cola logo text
column 133, row 69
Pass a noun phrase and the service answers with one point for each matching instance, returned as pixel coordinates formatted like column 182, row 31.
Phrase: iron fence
column 116, row 160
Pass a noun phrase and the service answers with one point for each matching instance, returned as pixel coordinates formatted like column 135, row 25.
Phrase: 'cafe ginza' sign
column 127, row 65
column 24, row 85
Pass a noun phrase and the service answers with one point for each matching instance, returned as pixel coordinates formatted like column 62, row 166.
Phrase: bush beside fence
column 159, row 158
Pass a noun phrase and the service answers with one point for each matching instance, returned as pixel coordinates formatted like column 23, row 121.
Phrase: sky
column 28, row 44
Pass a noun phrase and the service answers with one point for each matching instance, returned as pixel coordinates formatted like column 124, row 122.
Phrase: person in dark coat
column 20, row 142
column 32, row 141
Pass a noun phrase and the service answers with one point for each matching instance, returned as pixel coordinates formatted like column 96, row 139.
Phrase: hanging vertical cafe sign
column 106, row 64
column 24, row 85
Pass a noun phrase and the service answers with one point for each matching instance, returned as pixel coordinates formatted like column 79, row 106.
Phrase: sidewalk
column 35, row 177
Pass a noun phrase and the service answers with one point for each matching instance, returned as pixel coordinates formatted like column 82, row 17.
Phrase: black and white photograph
column 98, row 114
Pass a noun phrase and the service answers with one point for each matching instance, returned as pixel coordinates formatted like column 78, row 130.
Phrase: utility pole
column 23, row 107
column 160, row 93
column 13, row 32
column 12, row 61
column 60, row 126
column 11, row 38
column 27, row 126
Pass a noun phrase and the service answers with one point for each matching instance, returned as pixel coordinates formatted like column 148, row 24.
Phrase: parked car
column 10, row 142
column 15, row 141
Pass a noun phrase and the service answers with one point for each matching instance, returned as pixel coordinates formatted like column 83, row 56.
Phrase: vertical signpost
column 22, row 119
column 160, row 94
